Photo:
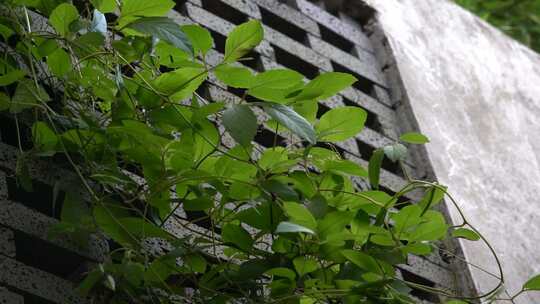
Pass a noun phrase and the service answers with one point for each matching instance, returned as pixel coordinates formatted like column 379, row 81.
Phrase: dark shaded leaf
column 163, row 28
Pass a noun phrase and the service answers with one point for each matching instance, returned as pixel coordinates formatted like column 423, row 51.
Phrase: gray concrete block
column 422, row 267
column 364, row 64
column 3, row 186
column 19, row 217
column 249, row 8
column 7, row 242
column 296, row 48
column 290, row 14
column 8, row 297
column 347, row 31
column 369, row 103
column 38, row 282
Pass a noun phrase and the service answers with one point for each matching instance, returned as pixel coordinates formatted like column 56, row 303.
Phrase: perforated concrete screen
column 299, row 35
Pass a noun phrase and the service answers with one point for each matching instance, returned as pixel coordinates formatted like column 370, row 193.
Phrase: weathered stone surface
column 474, row 92
column 8, row 297
column 365, row 64
column 37, row 282
column 354, row 34
column 7, row 243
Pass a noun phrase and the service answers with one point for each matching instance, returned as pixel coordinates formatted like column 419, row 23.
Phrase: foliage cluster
column 518, row 18
column 116, row 97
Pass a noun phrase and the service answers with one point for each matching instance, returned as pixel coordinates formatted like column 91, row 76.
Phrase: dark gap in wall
column 201, row 219
column 284, row 26
column 335, row 39
column 236, row 91
column 421, row 294
column 40, row 254
column 224, row 11
column 295, row 63
column 266, row 139
column 8, row 133
column 253, row 60
column 366, row 151
column 180, row 6
column 204, row 91
column 363, row 84
column 372, row 120
column 219, row 41
column 321, row 110
column 41, row 199
column 29, row 298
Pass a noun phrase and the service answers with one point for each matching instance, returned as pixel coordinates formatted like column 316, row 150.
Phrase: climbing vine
column 194, row 210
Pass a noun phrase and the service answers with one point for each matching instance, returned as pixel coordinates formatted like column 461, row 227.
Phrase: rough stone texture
column 475, row 93
column 7, row 244
column 38, row 282
column 8, row 297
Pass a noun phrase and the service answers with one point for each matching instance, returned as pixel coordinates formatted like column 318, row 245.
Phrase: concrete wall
column 476, row 94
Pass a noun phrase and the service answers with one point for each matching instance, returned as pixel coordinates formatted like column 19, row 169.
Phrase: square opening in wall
column 284, row 26
column 295, row 63
column 224, row 11
column 336, row 40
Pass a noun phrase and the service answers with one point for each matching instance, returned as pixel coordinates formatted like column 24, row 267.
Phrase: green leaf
column 11, row 77
column 62, row 16
column 455, row 302
column 241, row 123
column 105, row 6
column 234, row 76
column 99, row 23
column 145, row 8
column 345, row 166
column 432, row 197
column 242, row 39
column 288, row 227
column 362, row 260
column 26, row 96
column 406, row 218
column 292, row 121
column 198, row 204
column 305, row 265
column 180, row 82
column 236, row 235
column 434, row 228
column 300, row 215
column 59, row 62
column 395, row 152
column 465, row 233
column 277, row 79
column 374, row 168
column 341, row 123
column 307, row 109
column 44, row 138
column 90, row 281
column 195, row 262
column 326, row 85
column 282, row 272
column 200, row 38
column 4, row 101
column 414, row 138
column 165, row 29
column 533, row 283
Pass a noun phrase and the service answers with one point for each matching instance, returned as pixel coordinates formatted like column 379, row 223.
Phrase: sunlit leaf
column 341, row 123
column 242, row 39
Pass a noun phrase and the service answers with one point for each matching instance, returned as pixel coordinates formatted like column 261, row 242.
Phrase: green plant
column 517, row 18
column 285, row 224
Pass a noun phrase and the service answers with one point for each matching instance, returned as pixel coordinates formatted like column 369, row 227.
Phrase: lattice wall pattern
column 300, row 35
